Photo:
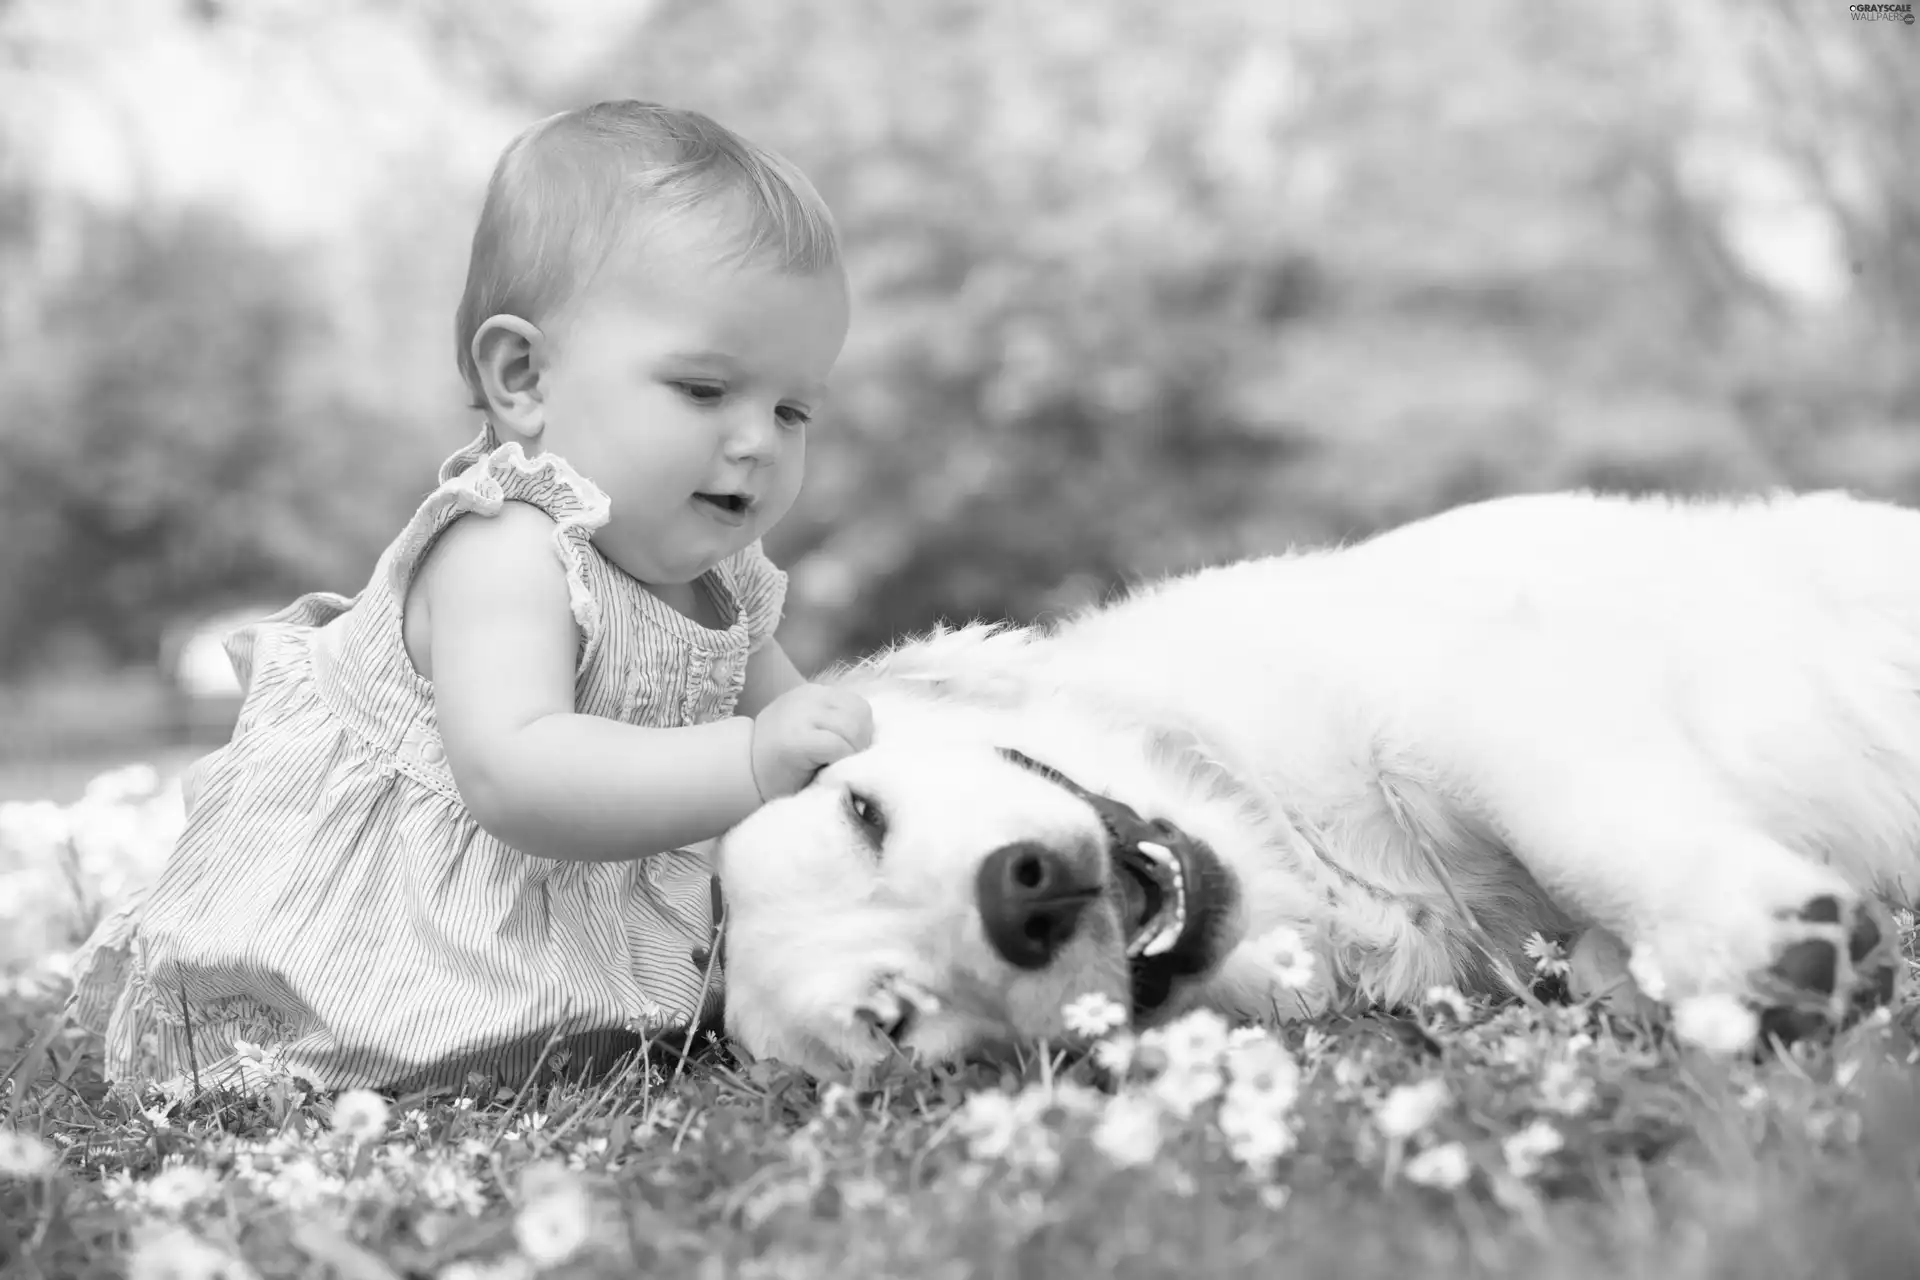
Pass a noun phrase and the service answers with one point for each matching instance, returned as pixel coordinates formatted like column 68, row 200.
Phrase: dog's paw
column 1836, row 958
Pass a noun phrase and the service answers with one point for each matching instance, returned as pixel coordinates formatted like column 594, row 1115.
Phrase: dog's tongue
column 1133, row 892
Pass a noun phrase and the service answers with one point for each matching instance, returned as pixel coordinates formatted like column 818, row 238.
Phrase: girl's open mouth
column 731, row 507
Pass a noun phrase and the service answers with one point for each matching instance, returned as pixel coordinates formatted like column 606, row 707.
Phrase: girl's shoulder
column 534, row 520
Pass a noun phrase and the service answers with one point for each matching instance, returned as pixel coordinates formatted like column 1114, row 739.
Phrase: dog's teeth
column 1162, row 940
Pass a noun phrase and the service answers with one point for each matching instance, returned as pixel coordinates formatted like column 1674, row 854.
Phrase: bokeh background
column 1138, row 285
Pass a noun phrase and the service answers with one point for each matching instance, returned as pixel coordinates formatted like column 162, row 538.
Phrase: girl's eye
column 792, row 417
column 701, row 392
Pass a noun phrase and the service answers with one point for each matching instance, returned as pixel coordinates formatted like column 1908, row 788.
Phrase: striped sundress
column 331, row 893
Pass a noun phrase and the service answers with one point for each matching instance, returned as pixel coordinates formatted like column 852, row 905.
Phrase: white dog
column 1693, row 725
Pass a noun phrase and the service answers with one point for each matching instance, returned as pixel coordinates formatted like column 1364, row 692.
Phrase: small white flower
column 1028, row 1141
column 174, row 1253
column 1410, row 1108
column 1285, row 955
column 1129, row 1130
column 360, row 1115
column 1564, row 1089
column 1265, row 1069
column 24, row 1156
column 990, row 1122
column 1524, row 1151
column 555, row 1225
column 178, row 1188
column 1646, row 975
column 157, row 1117
column 837, row 1099
column 1093, row 1015
column 300, row 1185
column 448, row 1187
column 1549, row 960
column 1183, row 1090
column 1256, row 1131
column 1445, row 1167
column 1450, row 999
column 1194, row 1040
column 1115, row 1053
column 1719, row 1024
column 1349, row 1073
column 1240, row 1037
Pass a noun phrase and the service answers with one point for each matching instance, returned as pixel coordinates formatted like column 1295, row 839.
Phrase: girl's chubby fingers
column 853, row 720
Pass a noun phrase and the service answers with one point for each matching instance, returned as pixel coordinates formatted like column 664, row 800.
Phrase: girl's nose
column 753, row 436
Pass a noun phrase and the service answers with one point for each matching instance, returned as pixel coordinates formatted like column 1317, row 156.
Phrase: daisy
column 1195, row 1040
column 1286, row 956
column 1719, row 1024
column 1129, row 1130
column 174, row 1253
column 1266, row 1069
column 1645, row 972
column 1450, row 999
column 1256, row 1129
column 1549, row 960
column 178, row 1188
column 1410, row 1108
column 1564, row 1089
column 1445, row 1167
column 554, row 1225
column 1526, row 1150
column 1093, row 1015
column 1184, row 1089
column 24, row 1156
column 1115, row 1053
column 360, row 1115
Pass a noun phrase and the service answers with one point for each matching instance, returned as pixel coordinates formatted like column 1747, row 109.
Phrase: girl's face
column 685, row 395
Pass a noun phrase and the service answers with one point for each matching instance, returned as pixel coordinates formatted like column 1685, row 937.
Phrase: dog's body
column 1694, row 725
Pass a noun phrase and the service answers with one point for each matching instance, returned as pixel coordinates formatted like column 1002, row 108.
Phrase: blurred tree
column 1139, row 285
column 164, row 451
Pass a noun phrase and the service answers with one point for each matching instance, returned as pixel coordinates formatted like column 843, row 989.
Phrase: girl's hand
column 802, row 731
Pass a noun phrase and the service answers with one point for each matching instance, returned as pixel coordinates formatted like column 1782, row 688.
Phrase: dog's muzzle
column 1031, row 898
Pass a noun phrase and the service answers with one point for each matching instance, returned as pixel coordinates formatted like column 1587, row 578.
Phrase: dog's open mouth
column 1153, row 890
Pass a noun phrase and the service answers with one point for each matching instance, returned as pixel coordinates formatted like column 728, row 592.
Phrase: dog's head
column 980, row 890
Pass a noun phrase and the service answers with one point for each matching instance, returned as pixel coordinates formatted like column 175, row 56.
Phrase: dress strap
column 481, row 479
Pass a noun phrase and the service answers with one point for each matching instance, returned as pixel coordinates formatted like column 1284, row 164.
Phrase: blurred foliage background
column 1138, row 285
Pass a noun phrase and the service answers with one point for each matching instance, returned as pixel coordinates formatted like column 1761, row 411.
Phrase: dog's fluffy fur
column 1688, row 723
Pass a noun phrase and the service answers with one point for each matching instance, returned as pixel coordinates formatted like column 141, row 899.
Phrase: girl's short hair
column 570, row 189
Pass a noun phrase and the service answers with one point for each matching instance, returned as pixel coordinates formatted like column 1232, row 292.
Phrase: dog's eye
column 866, row 813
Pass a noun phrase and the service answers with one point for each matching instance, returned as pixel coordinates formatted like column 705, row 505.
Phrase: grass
column 1397, row 1155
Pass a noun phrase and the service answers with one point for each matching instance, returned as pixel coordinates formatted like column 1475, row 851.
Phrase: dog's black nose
column 1030, row 900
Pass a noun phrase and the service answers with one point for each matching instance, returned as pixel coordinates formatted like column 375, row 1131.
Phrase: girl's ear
column 507, row 353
